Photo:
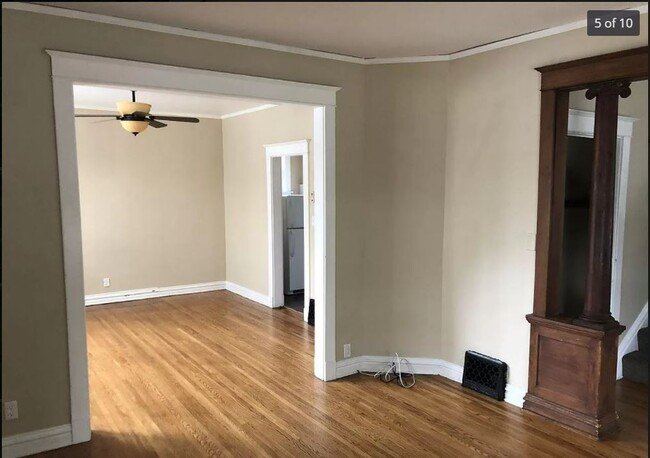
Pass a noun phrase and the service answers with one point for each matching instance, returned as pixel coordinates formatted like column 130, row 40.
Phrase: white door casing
column 274, row 153
column 70, row 68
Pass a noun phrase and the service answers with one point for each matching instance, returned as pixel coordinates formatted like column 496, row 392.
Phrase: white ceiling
column 367, row 30
column 166, row 103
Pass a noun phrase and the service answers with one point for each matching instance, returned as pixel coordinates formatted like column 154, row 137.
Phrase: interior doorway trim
column 274, row 202
column 581, row 124
column 70, row 68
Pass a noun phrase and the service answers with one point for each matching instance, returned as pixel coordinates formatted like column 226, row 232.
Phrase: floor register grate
column 485, row 374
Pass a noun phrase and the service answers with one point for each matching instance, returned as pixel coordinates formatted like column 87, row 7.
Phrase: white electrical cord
column 393, row 371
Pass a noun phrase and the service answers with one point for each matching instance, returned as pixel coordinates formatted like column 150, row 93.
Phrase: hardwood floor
column 214, row 374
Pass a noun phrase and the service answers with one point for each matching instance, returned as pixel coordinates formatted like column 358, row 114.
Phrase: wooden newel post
column 596, row 310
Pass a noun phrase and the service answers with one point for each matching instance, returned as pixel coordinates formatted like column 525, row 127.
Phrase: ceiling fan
column 134, row 116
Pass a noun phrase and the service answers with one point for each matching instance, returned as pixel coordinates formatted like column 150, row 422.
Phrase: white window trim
column 581, row 124
column 70, row 68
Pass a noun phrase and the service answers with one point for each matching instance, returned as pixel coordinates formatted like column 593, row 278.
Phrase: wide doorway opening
column 72, row 69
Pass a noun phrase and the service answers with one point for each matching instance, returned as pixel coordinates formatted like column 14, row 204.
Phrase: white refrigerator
column 294, row 244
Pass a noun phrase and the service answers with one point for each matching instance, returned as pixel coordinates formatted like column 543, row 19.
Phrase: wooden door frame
column 557, row 82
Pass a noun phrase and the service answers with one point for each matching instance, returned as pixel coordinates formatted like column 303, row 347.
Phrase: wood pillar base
column 572, row 374
column 593, row 426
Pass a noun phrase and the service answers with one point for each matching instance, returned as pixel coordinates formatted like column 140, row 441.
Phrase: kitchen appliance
column 294, row 244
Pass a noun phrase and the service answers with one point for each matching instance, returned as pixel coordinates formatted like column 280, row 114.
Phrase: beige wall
column 634, row 281
column 491, row 194
column 406, row 109
column 244, row 137
column 152, row 208
column 34, row 342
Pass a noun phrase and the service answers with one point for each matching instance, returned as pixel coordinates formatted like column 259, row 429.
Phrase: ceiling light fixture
column 135, row 118
column 129, row 120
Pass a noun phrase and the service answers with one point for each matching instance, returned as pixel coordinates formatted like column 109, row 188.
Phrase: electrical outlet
column 11, row 410
column 347, row 350
column 107, row 282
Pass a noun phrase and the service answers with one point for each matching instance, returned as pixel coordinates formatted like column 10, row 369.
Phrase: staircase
column 635, row 364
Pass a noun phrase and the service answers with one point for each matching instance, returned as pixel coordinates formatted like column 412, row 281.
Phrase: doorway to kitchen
column 290, row 230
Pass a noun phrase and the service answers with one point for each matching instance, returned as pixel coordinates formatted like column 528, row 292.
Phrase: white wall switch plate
column 531, row 239
column 107, row 282
column 347, row 350
column 11, row 410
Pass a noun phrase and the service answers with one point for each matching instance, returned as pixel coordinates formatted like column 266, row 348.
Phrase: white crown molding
column 73, row 14
column 420, row 366
column 408, row 60
column 492, row 46
column 36, row 441
column 248, row 110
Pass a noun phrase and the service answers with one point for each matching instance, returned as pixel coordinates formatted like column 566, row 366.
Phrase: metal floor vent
column 485, row 374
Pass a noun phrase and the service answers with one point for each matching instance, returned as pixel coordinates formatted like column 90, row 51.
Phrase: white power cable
column 393, row 371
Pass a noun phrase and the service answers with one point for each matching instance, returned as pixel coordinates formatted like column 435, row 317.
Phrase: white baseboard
column 629, row 343
column 515, row 395
column 36, row 441
column 149, row 293
column 421, row 366
column 249, row 294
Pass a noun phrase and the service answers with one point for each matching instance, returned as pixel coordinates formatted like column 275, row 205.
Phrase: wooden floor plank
column 214, row 374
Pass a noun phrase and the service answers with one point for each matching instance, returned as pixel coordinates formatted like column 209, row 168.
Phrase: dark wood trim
column 572, row 375
column 544, row 199
column 550, row 203
column 554, row 292
column 565, row 324
column 553, row 125
column 631, row 65
column 597, row 427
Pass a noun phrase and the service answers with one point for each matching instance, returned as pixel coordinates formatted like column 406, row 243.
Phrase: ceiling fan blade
column 157, row 124
column 175, row 118
column 140, row 114
column 96, row 116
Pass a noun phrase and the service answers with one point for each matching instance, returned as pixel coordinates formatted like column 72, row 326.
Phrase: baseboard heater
column 485, row 374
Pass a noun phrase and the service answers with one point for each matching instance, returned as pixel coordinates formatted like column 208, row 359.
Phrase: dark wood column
column 596, row 312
